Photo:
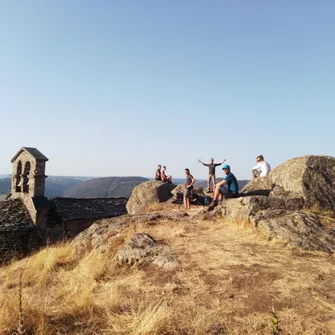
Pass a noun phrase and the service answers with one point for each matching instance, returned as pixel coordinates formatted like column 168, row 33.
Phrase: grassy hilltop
column 231, row 280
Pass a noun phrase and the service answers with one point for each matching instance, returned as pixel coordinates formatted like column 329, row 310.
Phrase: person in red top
column 164, row 177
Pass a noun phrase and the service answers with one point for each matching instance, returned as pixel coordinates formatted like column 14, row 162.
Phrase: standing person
column 262, row 169
column 188, row 188
column 164, row 177
column 211, row 172
column 158, row 173
column 227, row 188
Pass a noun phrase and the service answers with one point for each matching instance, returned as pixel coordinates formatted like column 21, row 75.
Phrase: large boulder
column 311, row 178
column 147, row 193
column 198, row 196
column 297, row 228
column 106, row 234
column 101, row 235
column 303, row 182
column 242, row 209
column 257, row 186
column 291, row 203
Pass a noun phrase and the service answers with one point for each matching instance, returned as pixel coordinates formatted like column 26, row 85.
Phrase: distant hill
column 105, row 187
column 55, row 186
column 81, row 187
column 241, row 183
column 4, row 185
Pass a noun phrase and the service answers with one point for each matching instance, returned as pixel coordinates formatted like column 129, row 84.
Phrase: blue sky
column 113, row 88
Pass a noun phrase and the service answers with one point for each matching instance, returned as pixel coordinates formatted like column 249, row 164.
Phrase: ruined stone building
column 29, row 220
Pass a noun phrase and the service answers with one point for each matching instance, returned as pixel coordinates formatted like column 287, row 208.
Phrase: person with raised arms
column 211, row 172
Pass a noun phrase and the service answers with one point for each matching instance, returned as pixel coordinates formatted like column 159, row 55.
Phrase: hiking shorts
column 227, row 193
column 187, row 192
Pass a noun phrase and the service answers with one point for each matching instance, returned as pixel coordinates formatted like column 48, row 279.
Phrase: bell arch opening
column 26, row 173
column 18, row 177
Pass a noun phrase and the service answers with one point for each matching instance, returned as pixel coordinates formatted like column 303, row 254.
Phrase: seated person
column 158, row 173
column 164, row 177
column 227, row 188
column 262, row 168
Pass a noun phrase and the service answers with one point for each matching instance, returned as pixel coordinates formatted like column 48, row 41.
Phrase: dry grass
column 229, row 281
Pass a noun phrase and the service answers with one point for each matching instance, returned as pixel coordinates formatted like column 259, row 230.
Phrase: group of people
column 227, row 188
column 161, row 175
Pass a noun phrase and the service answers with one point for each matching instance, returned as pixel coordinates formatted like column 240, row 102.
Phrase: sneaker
column 213, row 204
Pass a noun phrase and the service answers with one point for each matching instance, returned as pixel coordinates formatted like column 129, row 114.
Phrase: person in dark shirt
column 188, row 188
column 227, row 188
column 211, row 172
column 158, row 173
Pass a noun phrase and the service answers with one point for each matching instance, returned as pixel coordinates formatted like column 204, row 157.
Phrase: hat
column 225, row 167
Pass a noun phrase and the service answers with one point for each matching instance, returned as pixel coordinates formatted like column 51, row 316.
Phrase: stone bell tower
column 28, row 176
column 28, row 179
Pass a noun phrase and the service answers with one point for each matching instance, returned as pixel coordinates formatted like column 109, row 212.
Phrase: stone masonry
column 15, row 228
column 29, row 220
column 67, row 217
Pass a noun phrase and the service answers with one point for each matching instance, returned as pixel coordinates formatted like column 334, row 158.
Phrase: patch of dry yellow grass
column 229, row 280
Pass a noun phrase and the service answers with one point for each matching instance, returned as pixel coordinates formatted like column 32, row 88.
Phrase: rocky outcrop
column 143, row 248
column 297, row 228
column 258, row 186
column 198, row 196
column 287, row 203
column 311, row 178
column 303, row 182
column 102, row 234
column 147, row 193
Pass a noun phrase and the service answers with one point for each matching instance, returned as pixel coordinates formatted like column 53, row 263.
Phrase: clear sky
column 113, row 88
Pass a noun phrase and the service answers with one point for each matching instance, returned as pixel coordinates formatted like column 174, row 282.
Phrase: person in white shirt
column 262, row 168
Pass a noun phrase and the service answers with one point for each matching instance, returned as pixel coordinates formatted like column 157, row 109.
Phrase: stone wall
column 72, row 209
column 14, row 216
column 28, row 220
column 13, row 244
column 65, row 230
column 67, row 217
column 63, row 219
column 15, row 228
